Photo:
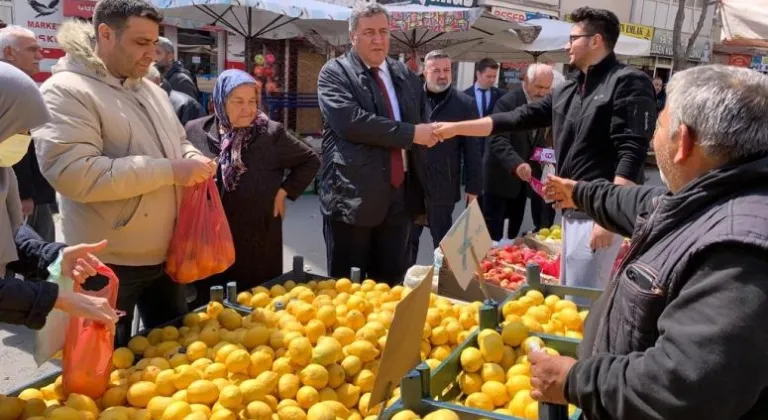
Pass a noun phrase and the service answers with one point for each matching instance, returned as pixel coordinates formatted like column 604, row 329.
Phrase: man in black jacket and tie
column 508, row 165
column 372, row 108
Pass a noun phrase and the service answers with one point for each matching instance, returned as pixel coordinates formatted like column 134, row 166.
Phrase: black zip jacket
column 180, row 79
column 26, row 302
column 441, row 170
column 680, row 332
column 602, row 121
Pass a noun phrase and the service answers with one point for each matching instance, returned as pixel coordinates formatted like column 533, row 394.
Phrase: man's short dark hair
column 599, row 21
column 486, row 63
column 115, row 13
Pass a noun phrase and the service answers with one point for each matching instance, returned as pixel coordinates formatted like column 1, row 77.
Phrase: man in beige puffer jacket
column 117, row 155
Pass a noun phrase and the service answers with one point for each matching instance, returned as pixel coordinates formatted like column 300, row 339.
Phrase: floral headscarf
column 234, row 140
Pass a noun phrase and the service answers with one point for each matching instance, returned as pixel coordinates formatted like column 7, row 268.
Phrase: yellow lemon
column 491, row 345
column 307, row 396
column 140, row 393
column 514, row 333
column 536, row 296
column 202, row 392
column 518, row 383
column 479, row 400
column 496, row 391
column 471, row 359
column 492, row 372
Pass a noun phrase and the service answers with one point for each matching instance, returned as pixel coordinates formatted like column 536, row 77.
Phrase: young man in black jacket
column 440, row 170
column 680, row 332
column 603, row 120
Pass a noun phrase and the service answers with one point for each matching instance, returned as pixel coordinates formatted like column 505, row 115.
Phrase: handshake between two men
column 559, row 190
column 429, row 134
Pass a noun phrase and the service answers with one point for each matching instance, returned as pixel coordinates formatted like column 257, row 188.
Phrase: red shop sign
column 739, row 60
column 79, row 8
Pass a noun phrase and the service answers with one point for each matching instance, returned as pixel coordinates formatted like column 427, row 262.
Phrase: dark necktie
column 484, row 105
column 396, row 168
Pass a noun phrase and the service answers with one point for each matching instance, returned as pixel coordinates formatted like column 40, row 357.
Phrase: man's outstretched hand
column 560, row 190
column 425, row 136
column 445, row 130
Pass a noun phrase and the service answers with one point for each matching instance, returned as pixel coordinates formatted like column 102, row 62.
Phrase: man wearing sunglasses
column 602, row 120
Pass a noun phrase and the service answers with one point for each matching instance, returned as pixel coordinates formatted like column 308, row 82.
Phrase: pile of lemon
column 308, row 351
column 495, row 375
column 550, row 315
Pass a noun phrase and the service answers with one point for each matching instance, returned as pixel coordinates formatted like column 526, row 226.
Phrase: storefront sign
column 739, row 60
column 629, row 29
column 235, row 52
column 44, row 19
column 515, row 15
column 79, row 8
column 661, row 45
column 759, row 63
column 637, row 31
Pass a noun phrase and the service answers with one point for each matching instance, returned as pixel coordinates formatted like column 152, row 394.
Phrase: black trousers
column 159, row 298
column 440, row 219
column 381, row 252
column 497, row 208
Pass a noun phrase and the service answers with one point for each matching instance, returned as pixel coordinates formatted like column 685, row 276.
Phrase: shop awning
column 745, row 22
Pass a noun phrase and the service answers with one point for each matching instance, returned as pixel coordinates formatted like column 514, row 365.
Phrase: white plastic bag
column 49, row 340
column 415, row 275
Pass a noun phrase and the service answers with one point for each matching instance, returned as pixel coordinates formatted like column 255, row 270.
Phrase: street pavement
column 302, row 235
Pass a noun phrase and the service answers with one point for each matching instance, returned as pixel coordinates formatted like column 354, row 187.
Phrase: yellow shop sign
column 637, row 31
column 629, row 29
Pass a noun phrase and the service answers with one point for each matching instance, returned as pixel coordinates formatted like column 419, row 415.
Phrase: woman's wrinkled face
column 242, row 105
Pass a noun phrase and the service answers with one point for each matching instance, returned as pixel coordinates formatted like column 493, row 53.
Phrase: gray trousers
column 579, row 265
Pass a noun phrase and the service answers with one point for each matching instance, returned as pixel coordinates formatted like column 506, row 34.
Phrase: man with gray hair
column 683, row 323
column 508, row 165
column 372, row 108
column 441, row 170
column 19, row 48
column 175, row 76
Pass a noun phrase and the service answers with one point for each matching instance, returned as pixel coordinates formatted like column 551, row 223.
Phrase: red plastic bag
column 201, row 245
column 89, row 345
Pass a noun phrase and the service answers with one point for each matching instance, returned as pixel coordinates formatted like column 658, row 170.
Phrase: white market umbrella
column 267, row 19
column 745, row 22
column 420, row 29
column 544, row 40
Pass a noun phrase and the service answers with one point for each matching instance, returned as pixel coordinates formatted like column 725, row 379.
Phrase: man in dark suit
column 442, row 163
column 372, row 109
column 484, row 92
column 508, row 165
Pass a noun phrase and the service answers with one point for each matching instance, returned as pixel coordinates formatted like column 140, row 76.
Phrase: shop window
column 197, row 51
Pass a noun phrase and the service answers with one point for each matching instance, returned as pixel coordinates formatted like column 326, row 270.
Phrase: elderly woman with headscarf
column 21, row 249
column 253, row 155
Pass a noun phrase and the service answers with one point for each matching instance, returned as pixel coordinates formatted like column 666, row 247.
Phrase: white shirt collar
column 384, row 67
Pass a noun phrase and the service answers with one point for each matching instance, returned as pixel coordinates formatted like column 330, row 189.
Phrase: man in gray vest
column 683, row 323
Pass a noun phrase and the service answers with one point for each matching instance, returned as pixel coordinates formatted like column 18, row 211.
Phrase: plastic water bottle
column 546, row 170
column 437, row 264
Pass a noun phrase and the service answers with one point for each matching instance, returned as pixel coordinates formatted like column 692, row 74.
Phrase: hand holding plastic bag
column 201, row 245
column 89, row 345
column 49, row 340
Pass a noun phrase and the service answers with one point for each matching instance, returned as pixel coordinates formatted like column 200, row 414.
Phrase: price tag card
column 544, row 155
column 467, row 236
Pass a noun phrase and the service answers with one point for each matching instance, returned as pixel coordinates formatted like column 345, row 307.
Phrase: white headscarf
column 21, row 109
